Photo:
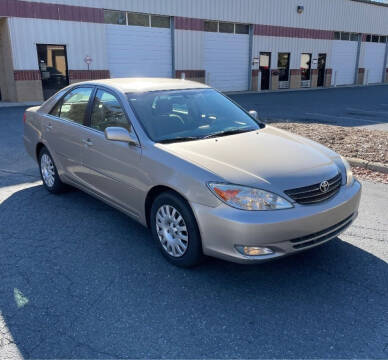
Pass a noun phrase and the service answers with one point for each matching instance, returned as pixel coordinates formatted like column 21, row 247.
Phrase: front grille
column 321, row 236
column 312, row 194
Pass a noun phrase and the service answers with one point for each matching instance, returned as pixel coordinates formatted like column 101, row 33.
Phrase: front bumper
column 283, row 231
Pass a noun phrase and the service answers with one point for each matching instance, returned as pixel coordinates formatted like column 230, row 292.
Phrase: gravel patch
column 369, row 145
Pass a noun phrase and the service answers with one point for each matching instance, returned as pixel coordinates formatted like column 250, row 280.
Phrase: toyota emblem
column 324, row 187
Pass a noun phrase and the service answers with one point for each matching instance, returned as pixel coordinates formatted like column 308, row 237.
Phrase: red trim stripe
column 184, row 23
column 294, row 72
column 88, row 74
column 38, row 10
column 190, row 73
column 20, row 75
column 283, row 31
column 255, row 72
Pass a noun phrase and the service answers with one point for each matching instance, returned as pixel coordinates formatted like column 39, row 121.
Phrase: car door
column 63, row 131
column 111, row 167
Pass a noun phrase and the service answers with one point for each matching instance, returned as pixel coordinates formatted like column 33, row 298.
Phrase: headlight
column 349, row 172
column 247, row 198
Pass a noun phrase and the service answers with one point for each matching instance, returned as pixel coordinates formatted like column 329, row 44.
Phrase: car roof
column 128, row 85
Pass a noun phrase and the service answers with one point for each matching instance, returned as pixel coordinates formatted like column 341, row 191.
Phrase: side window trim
column 89, row 109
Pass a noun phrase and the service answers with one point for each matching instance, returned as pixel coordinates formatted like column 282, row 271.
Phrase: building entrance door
column 265, row 69
column 53, row 68
column 321, row 69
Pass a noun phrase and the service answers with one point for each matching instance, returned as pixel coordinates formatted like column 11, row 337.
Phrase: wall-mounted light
column 300, row 9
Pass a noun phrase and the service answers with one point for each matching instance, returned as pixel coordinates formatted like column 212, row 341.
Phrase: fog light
column 254, row 250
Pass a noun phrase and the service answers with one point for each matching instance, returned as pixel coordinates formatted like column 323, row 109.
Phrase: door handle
column 49, row 126
column 88, row 142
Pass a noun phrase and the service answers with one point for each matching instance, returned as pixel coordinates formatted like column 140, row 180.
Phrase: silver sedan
column 205, row 176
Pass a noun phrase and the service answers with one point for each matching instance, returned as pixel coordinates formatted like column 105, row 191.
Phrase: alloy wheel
column 172, row 231
column 47, row 170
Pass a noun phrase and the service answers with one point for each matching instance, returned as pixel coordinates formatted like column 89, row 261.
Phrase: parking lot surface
column 347, row 106
column 81, row 280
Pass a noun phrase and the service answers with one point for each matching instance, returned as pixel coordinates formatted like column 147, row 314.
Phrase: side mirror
column 121, row 134
column 254, row 114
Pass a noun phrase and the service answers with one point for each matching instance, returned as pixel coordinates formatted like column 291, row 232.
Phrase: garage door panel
column 226, row 61
column 344, row 61
column 374, row 55
column 135, row 51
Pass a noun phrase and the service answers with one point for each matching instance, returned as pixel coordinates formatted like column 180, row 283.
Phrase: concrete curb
column 279, row 91
column 374, row 166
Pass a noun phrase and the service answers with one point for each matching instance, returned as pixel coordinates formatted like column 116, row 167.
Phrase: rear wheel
column 49, row 173
column 175, row 229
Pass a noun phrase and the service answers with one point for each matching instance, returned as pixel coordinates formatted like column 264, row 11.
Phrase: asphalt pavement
column 365, row 107
column 81, row 280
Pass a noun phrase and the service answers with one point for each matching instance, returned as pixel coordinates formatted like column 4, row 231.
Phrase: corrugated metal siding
column 342, row 15
column 226, row 59
column 343, row 62
column 372, row 55
column 138, row 51
column 81, row 39
column 189, row 50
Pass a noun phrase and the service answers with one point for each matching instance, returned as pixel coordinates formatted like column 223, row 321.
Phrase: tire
column 185, row 253
column 49, row 173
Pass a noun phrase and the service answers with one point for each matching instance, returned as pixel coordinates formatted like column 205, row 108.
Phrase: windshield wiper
column 227, row 132
column 179, row 139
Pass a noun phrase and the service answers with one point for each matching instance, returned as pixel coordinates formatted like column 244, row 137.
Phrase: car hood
column 267, row 157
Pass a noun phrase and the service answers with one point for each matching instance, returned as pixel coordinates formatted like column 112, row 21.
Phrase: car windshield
column 184, row 115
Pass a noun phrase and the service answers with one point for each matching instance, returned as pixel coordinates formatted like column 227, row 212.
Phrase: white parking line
column 344, row 117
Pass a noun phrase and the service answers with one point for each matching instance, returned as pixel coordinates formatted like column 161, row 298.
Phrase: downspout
column 357, row 59
column 385, row 62
column 251, row 30
column 172, row 29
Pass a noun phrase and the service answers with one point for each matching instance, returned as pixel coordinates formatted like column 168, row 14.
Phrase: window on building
column 283, row 66
column 375, row 38
column 73, row 106
column 383, row 39
column 107, row 111
column 345, row 36
column 160, row 21
column 337, row 35
column 305, row 67
column 115, row 17
column 211, row 26
column 368, row 38
column 354, row 37
column 242, row 29
column 138, row 19
column 226, row 27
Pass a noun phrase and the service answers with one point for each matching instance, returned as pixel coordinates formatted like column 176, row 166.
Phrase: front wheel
column 49, row 173
column 175, row 229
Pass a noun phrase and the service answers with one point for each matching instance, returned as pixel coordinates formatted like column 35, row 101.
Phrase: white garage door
column 344, row 57
column 136, row 51
column 374, row 54
column 226, row 61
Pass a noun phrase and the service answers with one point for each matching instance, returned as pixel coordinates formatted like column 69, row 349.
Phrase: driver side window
column 107, row 111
